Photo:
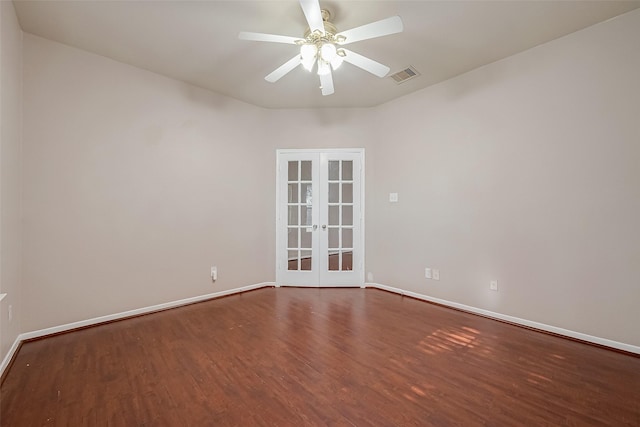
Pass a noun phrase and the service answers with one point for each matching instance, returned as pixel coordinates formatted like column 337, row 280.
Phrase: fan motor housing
column 329, row 29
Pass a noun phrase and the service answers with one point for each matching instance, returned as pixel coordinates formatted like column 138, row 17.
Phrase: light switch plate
column 493, row 285
column 393, row 197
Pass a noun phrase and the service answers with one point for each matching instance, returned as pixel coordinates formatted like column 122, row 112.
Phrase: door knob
column 324, row 226
column 315, row 227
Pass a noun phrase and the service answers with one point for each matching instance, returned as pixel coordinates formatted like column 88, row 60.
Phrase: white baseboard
column 9, row 356
column 145, row 310
column 511, row 319
column 122, row 315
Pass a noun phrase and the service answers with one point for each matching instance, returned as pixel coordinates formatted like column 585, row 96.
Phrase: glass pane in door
column 306, row 170
column 334, row 170
column 293, row 260
column 347, row 260
column 306, row 238
column 293, row 237
column 305, row 260
column 340, row 215
column 299, row 218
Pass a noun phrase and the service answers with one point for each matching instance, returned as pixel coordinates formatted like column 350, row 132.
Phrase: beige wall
column 524, row 171
column 10, row 163
column 135, row 185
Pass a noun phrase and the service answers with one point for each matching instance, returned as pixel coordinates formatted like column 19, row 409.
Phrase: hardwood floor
column 298, row 357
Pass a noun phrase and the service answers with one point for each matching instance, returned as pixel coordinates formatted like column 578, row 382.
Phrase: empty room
column 310, row 213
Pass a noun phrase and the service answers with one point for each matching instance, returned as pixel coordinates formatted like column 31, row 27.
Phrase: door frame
column 359, row 271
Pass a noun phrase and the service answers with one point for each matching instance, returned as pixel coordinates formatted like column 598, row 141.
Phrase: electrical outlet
column 436, row 274
column 370, row 276
column 214, row 273
column 427, row 273
column 493, row 285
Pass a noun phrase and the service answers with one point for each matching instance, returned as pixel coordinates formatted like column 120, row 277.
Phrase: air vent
column 404, row 75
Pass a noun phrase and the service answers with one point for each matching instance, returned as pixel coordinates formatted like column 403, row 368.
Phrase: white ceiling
column 196, row 41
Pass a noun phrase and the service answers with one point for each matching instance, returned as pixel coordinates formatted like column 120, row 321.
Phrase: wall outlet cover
column 493, row 285
column 436, row 274
column 427, row 273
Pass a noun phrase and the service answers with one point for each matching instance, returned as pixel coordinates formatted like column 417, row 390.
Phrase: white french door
column 319, row 218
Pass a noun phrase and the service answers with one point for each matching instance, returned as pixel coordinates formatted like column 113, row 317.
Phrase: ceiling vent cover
column 404, row 75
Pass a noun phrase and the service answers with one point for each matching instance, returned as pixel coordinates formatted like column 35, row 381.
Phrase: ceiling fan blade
column 366, row 64
column 380, row 28
column 326, row 83
column 279, row 72
column 311, row 9
column 261, row 37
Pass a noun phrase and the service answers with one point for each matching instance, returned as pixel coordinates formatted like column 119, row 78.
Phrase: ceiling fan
column 322, row 44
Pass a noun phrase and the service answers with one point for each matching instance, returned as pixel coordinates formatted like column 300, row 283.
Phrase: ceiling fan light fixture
column 336, row 62
column 308, row 54
column 308, row 51
column 323, row 67
column 328, row 52
column 308, row 64
column 339, row 59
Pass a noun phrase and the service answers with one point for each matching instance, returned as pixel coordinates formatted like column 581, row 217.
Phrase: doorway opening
column 320, row 218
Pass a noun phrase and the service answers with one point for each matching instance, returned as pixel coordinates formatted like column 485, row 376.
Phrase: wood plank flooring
column 316, row 357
